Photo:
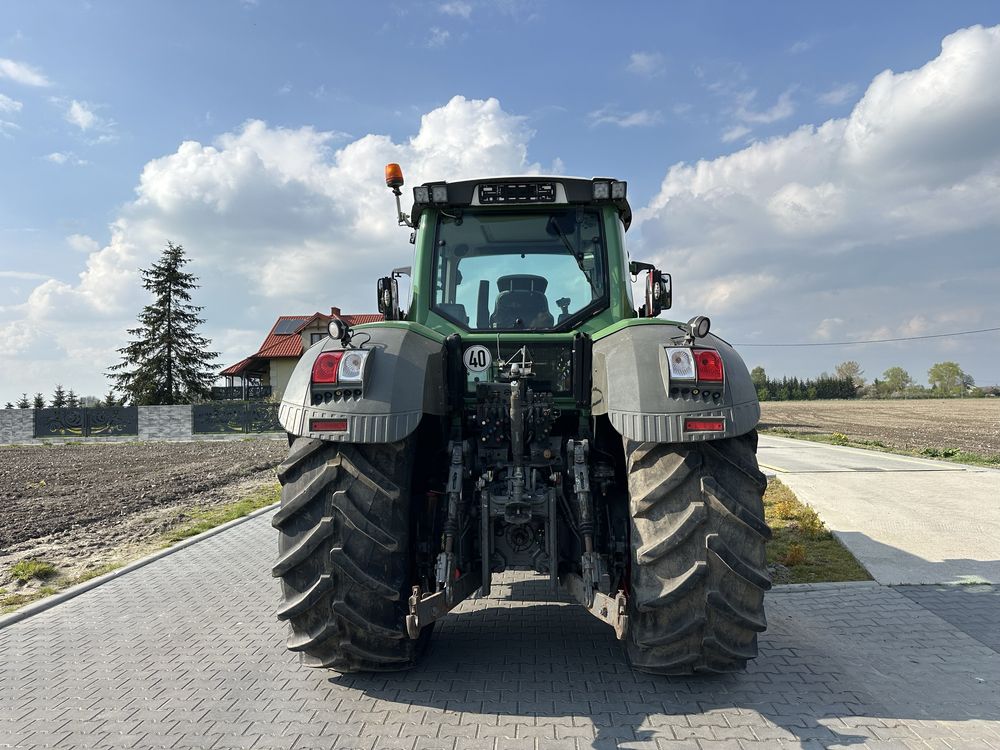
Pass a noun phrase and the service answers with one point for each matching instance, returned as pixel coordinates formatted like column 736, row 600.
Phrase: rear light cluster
column 340, row 367
column 695, row 365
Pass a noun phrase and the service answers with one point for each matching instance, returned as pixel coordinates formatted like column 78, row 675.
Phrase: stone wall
column 17, row 425
column 165, row 422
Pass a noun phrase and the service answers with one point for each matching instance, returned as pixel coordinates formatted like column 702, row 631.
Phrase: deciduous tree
column 851, row 369
column 896, row 380
column 948, row 379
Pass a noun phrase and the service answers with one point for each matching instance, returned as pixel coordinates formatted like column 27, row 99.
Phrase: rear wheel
column 699, row 570
column 344, row 554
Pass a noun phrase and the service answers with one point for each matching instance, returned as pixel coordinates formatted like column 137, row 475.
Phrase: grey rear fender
column 632, row 386
column 404, row 379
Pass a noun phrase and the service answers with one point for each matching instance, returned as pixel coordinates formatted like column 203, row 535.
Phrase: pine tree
column 39, row 402
column 23, row 402
column 167, row 362
column 109, row 400
column 8, row 405
column 72, row 400
column 58, row 397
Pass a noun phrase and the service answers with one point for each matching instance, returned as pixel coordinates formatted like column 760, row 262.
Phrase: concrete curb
column 800, row 588
column 81, row 588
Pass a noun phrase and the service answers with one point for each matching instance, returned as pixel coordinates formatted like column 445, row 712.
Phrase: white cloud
column 735, row 133
column 642, row 118
column 781, row 110
column 887, row 218
column 456, row 8
column 65, row 157
column 437, row 37
column 22, row 73
column 81, row 115
column 838, row 94
column 275, row 220
column 802, row 45
column 83, row 243
column 9, row 105
column 648, row 64
column 7, row 127
column 23, row 275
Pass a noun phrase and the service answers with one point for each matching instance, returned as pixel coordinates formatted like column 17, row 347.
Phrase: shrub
column 796, row 555
column 838, row 438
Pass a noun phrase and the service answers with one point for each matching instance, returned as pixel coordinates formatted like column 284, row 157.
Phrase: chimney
column 335, row 311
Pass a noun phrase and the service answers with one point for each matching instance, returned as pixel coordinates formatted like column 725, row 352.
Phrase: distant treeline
column 795, row 389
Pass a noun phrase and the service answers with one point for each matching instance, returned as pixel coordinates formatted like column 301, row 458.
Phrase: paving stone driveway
column 186, row 653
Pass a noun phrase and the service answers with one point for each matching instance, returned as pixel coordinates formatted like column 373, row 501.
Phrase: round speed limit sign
column 477, row 358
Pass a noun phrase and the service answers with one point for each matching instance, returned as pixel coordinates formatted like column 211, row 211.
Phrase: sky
column 808, row 173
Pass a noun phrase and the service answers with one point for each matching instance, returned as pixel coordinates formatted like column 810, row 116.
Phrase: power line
column 882, row 341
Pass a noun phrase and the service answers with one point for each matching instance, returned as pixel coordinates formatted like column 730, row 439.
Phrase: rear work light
column 708, row 363
column 704, row 425
column 328, row 425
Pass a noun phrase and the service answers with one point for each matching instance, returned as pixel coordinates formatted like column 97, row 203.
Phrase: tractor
column 522, row 412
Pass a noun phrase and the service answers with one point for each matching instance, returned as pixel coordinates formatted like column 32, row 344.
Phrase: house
column 266, row 373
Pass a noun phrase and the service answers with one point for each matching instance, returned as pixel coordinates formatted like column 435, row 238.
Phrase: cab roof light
column 439, row 193
column 602, row 190
column 708, row 365
column 422, row 194
column 393, row 176
column 618, row 190
column 325, row 367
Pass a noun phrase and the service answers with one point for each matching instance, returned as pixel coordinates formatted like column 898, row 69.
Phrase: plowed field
column 969, row 424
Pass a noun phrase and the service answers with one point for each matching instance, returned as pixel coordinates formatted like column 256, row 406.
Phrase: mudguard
column 404, row 379
column 631, row 385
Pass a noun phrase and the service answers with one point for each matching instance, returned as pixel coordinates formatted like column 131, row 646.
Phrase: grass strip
column 195, row 522
column 802, row 549
column 955, row 455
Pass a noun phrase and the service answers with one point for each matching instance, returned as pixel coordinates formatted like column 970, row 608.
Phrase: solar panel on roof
column 289, row 326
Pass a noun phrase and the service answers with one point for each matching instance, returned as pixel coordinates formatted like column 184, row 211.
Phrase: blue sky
column 97, row 98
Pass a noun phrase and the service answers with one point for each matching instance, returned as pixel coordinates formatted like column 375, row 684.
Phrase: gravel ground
column 85, row 505
column 970, row 424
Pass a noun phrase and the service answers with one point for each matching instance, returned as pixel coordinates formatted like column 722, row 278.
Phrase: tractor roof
column 521, row 190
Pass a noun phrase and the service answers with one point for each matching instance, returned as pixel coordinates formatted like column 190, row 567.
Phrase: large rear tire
column 344, row 554
column 699, row 569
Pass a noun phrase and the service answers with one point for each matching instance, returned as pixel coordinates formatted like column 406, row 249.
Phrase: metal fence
column 94, row 421
column 235, row 417
column 241, row 392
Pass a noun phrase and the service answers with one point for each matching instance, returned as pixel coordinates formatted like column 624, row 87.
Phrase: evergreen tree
column 39, row 402
column 109, row 400
column 167, row 362
column 58, row 397
column 72, row 400
column 8, row 405
column 23, row 402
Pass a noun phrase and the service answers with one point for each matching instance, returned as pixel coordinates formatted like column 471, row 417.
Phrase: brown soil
column 971, row 424
column 87, row 505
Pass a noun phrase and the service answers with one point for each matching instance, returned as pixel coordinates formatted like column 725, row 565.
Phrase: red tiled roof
column 289, row 343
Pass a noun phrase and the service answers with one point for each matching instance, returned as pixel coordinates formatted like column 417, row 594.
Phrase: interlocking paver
column 186, row 653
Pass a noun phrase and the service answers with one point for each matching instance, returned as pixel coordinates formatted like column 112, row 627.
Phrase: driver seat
column 522, row 303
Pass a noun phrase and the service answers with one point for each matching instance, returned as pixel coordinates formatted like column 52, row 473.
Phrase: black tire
column 344, row 554
column 699, row 568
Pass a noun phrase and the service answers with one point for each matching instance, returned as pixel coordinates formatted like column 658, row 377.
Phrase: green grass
column 209, row 518
column 954, row 455
column 197, row 521
column 803, row 544
column 25, row 570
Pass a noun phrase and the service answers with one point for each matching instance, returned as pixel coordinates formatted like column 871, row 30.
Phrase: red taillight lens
column 328, row 425
column 704, row 425
column 325, row 367
column 708, row 365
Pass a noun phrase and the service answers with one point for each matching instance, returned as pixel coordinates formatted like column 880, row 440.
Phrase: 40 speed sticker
column 477, row 358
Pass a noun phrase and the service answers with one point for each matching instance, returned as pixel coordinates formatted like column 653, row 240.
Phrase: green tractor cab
column 522, row 413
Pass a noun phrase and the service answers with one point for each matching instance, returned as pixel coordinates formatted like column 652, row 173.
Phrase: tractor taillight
column 325, row 367
column 708, row 363
column 704, row 425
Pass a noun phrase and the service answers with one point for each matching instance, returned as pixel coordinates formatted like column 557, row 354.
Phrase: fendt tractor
column 522, row 414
